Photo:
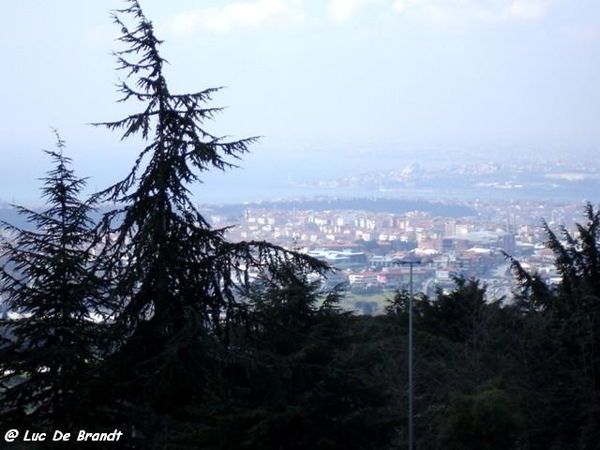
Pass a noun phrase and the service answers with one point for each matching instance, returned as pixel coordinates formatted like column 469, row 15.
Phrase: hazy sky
column 313, row 77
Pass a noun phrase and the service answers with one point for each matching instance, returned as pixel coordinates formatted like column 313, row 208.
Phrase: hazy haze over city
column 333, row 87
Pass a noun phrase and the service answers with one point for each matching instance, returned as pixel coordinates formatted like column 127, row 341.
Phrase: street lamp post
column 410, row 262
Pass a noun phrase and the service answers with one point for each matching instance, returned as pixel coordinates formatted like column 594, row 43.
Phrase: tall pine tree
column 180, row 281
column 563, row 326
column 50, row 284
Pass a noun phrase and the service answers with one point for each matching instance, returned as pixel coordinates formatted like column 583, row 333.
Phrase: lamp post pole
column 410, row 263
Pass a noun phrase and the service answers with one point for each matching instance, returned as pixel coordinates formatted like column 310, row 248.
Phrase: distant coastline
column 368, row 204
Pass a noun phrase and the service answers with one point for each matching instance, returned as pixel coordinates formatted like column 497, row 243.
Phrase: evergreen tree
column 485, row 420
column 562, row 327
column 462, row 348
column 179, row 281
column 459, row 315
column 50, row 284
column 577, row 256
column 296, row 380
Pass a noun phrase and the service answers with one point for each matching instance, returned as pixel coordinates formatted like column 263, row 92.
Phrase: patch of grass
column 353, row 301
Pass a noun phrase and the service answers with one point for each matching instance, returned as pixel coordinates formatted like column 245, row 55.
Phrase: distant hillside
column 374, row 205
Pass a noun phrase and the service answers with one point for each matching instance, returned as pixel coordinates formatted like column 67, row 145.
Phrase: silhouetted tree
column 484, row 420
column 179, row 281
column 462, row 345
column 51, row 285
column 562, row 326
column 296, row 381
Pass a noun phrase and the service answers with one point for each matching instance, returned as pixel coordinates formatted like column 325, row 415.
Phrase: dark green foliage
column 178, row 268
column 50, row 280
column 294, row 381
column 462, row 341
column 485, row 420
column 562, row 329
column 578, row 256
column 179, row 283
column 458, row 316
column 172, row 254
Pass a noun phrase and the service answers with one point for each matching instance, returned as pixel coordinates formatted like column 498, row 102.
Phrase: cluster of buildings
column 369, row 250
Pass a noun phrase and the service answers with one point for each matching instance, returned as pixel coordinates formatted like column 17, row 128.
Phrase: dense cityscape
column 367, row 247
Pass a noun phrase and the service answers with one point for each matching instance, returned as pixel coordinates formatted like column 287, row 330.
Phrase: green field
column 351, row 301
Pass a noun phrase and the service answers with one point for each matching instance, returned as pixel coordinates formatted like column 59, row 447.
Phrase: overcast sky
column 310, row 75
